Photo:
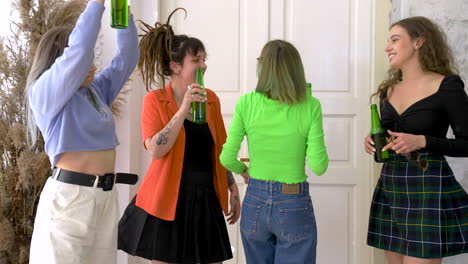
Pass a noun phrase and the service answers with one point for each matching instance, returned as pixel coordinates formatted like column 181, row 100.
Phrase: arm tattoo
column 163, row 136
column 230, row 178
column 236, row 198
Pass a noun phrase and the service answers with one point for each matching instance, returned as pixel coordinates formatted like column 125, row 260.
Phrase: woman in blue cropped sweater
column 76, row 220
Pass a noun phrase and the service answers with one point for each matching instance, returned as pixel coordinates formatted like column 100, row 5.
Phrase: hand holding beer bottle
column 377, row 135
column 199, row 108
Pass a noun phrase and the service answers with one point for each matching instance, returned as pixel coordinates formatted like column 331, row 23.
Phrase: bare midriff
column 89, row 162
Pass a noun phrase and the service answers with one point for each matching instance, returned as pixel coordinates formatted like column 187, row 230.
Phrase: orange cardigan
column 159, row 190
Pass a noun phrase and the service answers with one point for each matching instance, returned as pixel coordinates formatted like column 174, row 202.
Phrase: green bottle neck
column 199, row 77
column 376, row 126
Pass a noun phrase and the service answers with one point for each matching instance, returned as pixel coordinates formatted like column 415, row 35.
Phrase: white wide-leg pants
column 75, row 225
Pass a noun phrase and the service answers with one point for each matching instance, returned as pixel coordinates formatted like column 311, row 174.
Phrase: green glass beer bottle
column 199, row 108
column 119, row 14
column 309, row 88
column 378, row 136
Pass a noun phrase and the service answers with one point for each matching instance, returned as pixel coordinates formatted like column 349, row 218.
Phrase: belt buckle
column 108, row 181
column 290, row 188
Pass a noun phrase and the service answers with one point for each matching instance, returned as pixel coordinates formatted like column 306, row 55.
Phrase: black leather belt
column 106, row 181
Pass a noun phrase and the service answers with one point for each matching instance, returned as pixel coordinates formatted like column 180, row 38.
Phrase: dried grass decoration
column 23, row 168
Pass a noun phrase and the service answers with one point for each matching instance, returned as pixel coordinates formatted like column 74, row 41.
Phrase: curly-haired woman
column 419, row 212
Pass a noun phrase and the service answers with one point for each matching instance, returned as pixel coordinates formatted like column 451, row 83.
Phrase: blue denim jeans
column 277, row 227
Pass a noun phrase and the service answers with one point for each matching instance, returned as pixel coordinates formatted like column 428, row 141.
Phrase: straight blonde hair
column 50, row 47
column 281, row 73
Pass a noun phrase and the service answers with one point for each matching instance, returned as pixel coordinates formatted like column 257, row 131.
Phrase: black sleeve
column 456, row 106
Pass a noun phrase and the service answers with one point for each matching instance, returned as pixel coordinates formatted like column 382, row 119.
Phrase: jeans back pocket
column 249, row 218
column 297, row 220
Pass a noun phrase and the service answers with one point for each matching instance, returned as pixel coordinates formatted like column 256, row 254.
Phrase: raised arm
column 158, row 137
column 111, row 80
column 161, row 143
column 54, row 88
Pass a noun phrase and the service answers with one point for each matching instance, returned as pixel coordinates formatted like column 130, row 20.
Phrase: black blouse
column 198, row 147
column 431, row 117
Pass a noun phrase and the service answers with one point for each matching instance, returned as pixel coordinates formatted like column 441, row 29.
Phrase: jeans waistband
column 275, row 186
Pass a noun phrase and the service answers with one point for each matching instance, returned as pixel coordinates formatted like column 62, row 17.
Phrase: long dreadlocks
column 159, row 46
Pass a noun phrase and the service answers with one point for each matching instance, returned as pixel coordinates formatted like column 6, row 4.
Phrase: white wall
column 131, row 156
column 452, row 16
column 5, row 17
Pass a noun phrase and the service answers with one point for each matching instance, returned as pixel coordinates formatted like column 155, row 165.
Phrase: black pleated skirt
column 198, row 234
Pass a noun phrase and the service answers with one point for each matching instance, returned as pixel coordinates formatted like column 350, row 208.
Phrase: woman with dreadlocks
column 176, row 216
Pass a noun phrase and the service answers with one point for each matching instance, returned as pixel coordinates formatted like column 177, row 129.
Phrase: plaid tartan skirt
column 418, row 208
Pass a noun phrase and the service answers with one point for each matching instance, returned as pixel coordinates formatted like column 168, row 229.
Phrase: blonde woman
column 76, row 220
column 283, row 125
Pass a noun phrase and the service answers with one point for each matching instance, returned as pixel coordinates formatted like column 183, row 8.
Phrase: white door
column 334, row 38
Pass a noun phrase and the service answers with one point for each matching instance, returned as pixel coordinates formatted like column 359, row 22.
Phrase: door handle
column 244, row 159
